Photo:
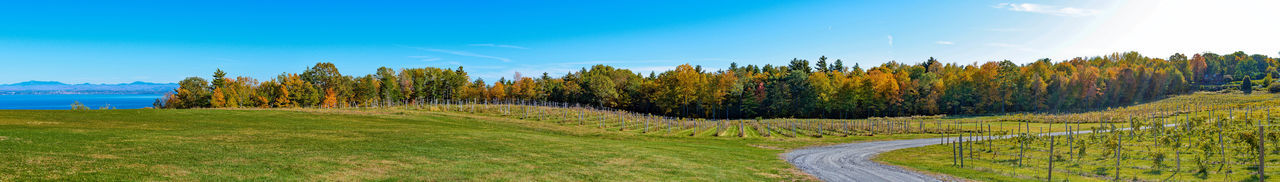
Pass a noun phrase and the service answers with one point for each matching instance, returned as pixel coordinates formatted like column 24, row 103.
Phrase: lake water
column 59, row 102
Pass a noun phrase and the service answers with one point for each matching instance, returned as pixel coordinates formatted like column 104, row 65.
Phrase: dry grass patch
column 360, row 168
column 42, row 123
column 103, row 156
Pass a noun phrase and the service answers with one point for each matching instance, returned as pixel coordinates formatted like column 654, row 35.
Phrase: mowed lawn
column 276, row 145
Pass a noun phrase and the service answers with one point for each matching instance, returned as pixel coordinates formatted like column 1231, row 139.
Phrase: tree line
column 825, row 89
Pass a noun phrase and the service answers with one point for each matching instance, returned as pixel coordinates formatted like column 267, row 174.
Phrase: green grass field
column 367, row 145
column 429, row 144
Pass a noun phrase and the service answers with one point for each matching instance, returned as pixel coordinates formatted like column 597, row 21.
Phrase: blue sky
column 157, row 41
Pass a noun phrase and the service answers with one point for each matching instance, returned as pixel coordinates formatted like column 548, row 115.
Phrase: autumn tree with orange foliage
column 796, row 89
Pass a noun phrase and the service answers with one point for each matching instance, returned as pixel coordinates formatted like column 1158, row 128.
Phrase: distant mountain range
column 54, row 87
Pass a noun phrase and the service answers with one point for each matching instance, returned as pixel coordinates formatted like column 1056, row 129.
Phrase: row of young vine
column 1186, row 144
column 626, row 121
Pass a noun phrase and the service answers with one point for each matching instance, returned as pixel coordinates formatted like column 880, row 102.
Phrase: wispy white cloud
column 944, row 42
column 425, row 58
column 499, row 46
column 890, row 40
column 1046, row 9
column 463, row 53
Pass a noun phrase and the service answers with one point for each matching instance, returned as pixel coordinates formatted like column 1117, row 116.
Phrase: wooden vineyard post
column 846, row 128
column 990, row 140
column 717, row 128
column 1119, row 140
column 819, row 135
column 793, row 128
column 564, row 111
column 890, row 127
column 695, row 127
column 961, row 144
column 985, row 144
column 982, row 134
column 542, row 111
column 1177, row 148
column 1158, row 130
column 955, row 153
column 902, row 127
column 944, row 139
column 1070, row 144
column 579, row 115
column 954, row 161
column 742, row 132
column 872, row 125
column 668, row 122
column 1262, row 153
column 971, row 145
column 646, row 124
column 1226, row 162
column 1001, row 126
column 600, row 118
column 939, row 121
column 1021, row 144
column 1051, row 142
column 1222, row 148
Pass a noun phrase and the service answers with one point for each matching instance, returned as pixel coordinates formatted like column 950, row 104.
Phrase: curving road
column 852, row 161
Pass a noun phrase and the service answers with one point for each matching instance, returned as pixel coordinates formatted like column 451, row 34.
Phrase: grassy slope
column 384, row 144
column 358, row 145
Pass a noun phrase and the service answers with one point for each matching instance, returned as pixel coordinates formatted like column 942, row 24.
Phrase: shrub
column 1274, row 88
column 78, row 106
column 1246, row 86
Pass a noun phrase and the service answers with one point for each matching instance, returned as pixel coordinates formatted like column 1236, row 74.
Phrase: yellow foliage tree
column 330, row 98
column 679, row 87
column 822, row 86
column 525, row 88
column 885, row 87
column 282, row 97
column 219, row 100
column 498, row 91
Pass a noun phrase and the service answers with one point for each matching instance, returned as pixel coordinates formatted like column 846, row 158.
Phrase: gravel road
column 852, row 161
